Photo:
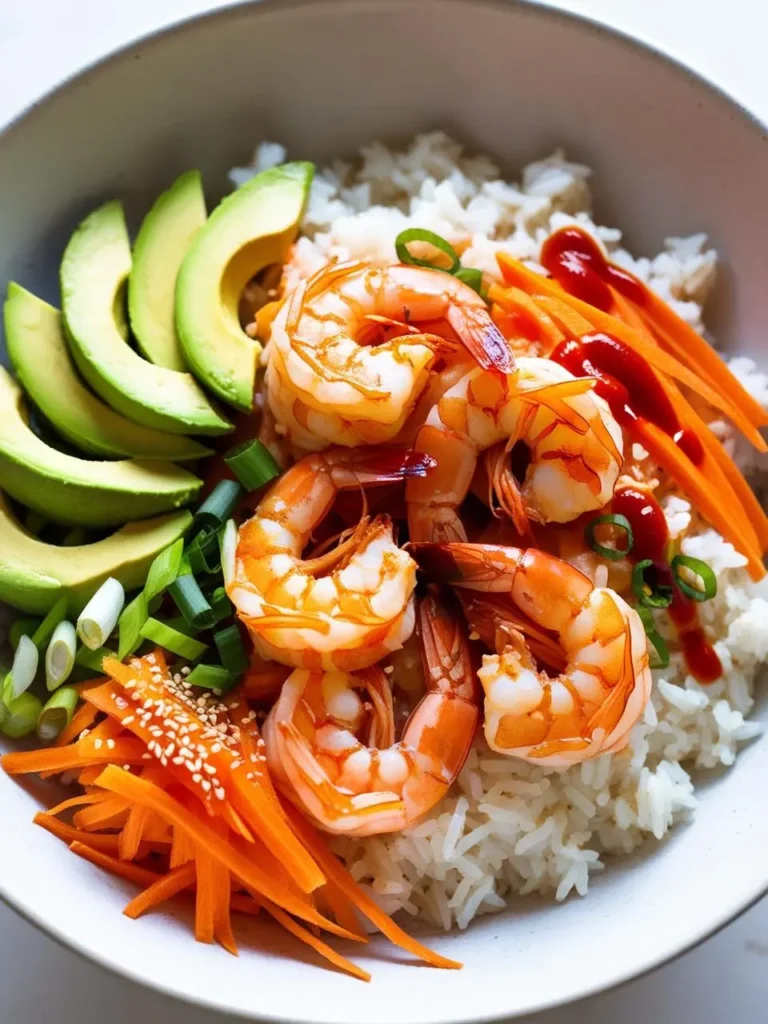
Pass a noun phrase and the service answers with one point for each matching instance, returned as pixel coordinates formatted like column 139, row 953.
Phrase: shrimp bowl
column 385, row 604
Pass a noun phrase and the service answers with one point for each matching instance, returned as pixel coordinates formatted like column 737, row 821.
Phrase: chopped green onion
column 471, row 276
column 221, row 605
column 191, row 602
column 172, row 640
column 99, row 617
column 57, row 713
column 21, row 717
column 203, row 553
column 231, row 651
column 708, row 587
column 252, row 464
column 220, row 503
column 659, row 596
column 44, row 631
column 23, row 670
column 228, row 541
column 612, row 554
column 164, row 570
column 211, row 677
column 93, row 659
column 660, row 656
column 132, row 618
column 60, row 656
column 20, row 628
column 404, row 239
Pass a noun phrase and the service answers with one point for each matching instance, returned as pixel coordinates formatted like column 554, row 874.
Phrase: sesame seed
column 126, row 767
column 110, row 744
column 197, row 777
column 249, row 775
column 210, row 769
column 206, row 786
column 474, row 636
column 169, row 749
column 146, row 757
column 83, row 734
column 215, row 748
column 129, row 719
column 98, row 744
column 186, row 670
column 254, row 757
column 178, row 760
column 389, row 668
column 219, row 793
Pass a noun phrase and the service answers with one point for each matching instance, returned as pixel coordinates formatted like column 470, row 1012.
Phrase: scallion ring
column 471, row 276
column 21, row 716
column 609, row 519
column 23, row 670
column 173, row 640
column 191, row 602
column 164, row 570
column 228, row 542
column 253, row 464
column 211, row 677
column 99, row 617
column 57, row 713
column 405, row 238
column 60, row 656
column 231, row 651
column 658, row 596
column 132, row 618
column 46, row 629
column 220, row 504
column 660, row 657
column 705, row 573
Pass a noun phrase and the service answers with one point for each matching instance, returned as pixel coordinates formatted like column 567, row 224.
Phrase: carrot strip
column 342, row 908
column 689, row 346
column 77, row 801
column 88, row 775
column 515, row 300
column 204, row 899
column 245, row 904
column 664, row 450
column 137, row 790
column 165, row 888
column 69, row 834
column 107, row 814
column 339, row 875
column 752, row 507
column 517, row 274
column 316, row 943
column 82, row 719
column 131, row 835
column 182, row 848
column 568, row 319
column 131, row 872
column 63, row 759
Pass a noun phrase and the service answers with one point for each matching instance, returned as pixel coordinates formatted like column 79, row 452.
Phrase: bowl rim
column 545, row 9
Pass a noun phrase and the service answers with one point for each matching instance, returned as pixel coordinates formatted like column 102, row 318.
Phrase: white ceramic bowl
column 671, row 155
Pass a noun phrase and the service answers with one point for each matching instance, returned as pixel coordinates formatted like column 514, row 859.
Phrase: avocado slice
column 250, row 229
column 33, row 574
column 161, row 244
column 79, row 492
column 94, row 269
column 38, row 352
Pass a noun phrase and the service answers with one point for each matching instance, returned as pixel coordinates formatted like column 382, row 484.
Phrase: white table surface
column 726, row 979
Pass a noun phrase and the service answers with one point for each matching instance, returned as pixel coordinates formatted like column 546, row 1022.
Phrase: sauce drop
column 651, row 536
column 576, row 261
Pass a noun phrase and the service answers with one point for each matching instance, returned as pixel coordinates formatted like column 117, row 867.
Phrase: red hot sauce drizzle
column 651, row 536
column 575, row 260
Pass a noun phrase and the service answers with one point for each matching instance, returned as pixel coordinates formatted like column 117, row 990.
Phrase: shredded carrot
column 82, row 719
column 131, row 872
column 245, row 904
column 110, row 813
column 69, row 834
column 515, row 300
column 338, row 874
column 316, row 943
column 77, row 801
column 64, row 759
column 164, row 888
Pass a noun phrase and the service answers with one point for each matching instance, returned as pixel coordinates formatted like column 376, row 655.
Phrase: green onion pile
column 187, row 579
column 469, row 275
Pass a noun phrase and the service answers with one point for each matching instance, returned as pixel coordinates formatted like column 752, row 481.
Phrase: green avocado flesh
column 76, row 491
column 161, row 244
column 38, row 352
column 33, row 575
column 95, row 266
column 250, row 229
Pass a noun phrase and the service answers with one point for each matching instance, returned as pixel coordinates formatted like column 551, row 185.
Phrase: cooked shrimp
column 363, row 787
column 326, row 385
column 345, row 609
column 590, row 707
column 575, row 445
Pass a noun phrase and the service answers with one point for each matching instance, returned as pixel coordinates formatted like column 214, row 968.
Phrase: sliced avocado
column 250, row 229
column 33, row 574
column 94, row 268
column 38, row 352
column 79, row 492
column 161, row 244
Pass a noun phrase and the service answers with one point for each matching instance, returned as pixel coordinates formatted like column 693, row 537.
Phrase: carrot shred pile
column 680, row 359
column 177, row 799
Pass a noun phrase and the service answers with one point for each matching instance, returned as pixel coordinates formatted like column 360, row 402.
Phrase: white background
column 43, row 41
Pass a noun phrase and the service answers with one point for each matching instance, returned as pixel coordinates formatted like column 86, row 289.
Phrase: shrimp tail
column 486, row 567
column 483, row 340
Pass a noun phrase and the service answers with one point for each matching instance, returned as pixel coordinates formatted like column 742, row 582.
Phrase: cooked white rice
column 509, row 827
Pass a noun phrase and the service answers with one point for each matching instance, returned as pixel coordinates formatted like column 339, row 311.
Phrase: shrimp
column 326, row 386
column 345, row 609
column 575, row 445
column 591, row 706
column 362, row 788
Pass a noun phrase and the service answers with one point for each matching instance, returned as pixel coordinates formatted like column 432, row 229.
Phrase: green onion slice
column 20, row 628
column 99, row 617
column 404, row 239
column 471, row 276
column 659, row 596
column 708, row 587
column 164, row 570
column 93, row 659
column 228, row 542
column 191, row 602
column 203, row 553
column 231, row 650
column 24, row 668
column 221, row 605
column 172, row 640
column 21, row 716
column 610, row 519
column 660, row 655
column 220, row 503
column 252, row 464
column 57, row 712
column 60, row 656
column 212, row 677
column 45, row 630
column 133, row 617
